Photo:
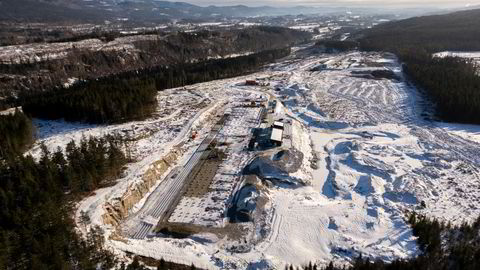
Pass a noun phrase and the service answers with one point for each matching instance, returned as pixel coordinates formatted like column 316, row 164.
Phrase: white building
column 278, row 125
column 277, row 136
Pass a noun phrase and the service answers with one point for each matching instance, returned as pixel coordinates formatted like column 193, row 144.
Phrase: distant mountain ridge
column 135, row 10
column 146, row 11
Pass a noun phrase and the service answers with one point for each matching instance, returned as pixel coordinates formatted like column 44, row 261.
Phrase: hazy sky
column 396, row 3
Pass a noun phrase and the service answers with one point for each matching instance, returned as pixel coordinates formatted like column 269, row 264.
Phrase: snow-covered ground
column 175, row 109
column 191, row 209
column 10, row 111
column 378, row 159
column 472, row 55
column 36, row 52
column 381, row 144
column 466, row 131
column 306, row 27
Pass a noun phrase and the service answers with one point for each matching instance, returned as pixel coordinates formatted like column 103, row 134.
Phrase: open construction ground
column 213, row 185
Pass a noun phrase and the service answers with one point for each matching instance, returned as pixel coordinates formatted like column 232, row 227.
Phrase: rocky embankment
column 118, row 208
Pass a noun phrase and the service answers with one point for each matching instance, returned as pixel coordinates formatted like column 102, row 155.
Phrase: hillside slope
column 34, row 67
column 51, row 11
column 454, row 31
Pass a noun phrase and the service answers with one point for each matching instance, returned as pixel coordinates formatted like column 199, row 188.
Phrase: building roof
column 277, row 135
column 278, row 124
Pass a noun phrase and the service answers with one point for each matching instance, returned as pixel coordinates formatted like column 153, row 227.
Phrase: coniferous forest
column 36, row 201
column 108, row 100
column 450, row 82
column 132, row 95
column 332, row 45
column 17, row 133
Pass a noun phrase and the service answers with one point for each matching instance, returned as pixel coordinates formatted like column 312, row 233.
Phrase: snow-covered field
column 378, row 159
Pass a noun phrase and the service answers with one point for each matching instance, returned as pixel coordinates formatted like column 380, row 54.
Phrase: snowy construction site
column 318, row 157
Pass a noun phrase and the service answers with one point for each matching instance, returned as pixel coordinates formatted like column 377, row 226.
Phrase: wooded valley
column 132, row 95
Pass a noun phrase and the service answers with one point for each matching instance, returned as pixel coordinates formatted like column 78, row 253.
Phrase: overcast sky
column 396, row 3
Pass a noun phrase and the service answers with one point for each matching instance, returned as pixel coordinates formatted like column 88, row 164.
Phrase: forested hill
column 91, row 58
column 453, row 84
column 454, row 31
column 132, row 95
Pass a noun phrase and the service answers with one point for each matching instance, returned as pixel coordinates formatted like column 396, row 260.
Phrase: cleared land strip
column 167, row 193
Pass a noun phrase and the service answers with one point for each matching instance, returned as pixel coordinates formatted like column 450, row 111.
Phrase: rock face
column 117, row 209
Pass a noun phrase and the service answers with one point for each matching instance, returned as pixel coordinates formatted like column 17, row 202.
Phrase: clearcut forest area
column 452, row 83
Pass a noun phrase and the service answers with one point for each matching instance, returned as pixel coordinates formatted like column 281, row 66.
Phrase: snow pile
column 266, row 170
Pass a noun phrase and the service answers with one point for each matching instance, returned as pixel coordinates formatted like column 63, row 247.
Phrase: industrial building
column 276, row 137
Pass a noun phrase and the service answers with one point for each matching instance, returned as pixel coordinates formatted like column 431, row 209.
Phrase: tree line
column 108, row 100
column 215, row 69
column 443, row 246
column 36, row 202
column 132, row 95
column 17, row 133
column 37, row 199
column 141, row 263
column 452, row 83
column 332, row 45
